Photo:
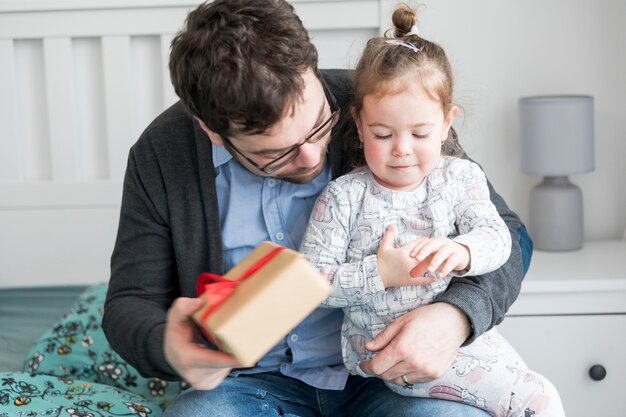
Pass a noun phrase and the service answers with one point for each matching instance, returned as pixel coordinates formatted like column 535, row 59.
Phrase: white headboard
column 79, row 81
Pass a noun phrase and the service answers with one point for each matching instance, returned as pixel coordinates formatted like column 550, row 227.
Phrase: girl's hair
column 387, row 64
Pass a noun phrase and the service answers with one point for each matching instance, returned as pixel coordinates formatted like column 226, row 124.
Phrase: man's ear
column 357, row 122
column 452, row 113
column 213, row 137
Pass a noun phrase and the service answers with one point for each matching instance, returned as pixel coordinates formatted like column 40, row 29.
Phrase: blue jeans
column 273, row 394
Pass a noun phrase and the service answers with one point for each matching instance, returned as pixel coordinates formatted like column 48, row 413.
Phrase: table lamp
column 557, row 141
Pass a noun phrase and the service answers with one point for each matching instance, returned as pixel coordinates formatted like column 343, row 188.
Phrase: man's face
column 299, row 122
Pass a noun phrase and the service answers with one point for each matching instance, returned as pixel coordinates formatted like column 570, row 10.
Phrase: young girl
column 416, row 203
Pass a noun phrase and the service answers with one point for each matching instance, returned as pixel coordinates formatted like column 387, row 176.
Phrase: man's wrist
column 458, row 320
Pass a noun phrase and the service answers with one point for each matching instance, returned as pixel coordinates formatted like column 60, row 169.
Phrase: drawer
column 564, row 348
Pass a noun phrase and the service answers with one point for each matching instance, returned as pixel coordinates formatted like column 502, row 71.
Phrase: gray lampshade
column 557, row 135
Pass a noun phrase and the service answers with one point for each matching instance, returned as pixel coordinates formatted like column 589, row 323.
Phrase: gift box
column 259, row 301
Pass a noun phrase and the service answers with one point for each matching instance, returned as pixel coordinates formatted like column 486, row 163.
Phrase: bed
column 79, row 81
column 69, row 367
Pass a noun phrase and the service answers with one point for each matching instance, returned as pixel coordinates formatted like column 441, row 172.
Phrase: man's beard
column 303, row 175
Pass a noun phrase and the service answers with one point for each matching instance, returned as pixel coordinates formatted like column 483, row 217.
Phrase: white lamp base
column 556, row 215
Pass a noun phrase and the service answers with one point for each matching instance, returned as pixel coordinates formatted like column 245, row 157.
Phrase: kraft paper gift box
column 277, row 289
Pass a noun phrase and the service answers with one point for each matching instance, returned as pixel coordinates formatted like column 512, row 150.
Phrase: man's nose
column 310, row 154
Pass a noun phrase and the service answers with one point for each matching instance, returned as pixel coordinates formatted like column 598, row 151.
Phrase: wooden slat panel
column 88, row 23
column 32, row 114
column 9, row 157
column 169, row 96
column 59, row 5
column 146, row 82
column 51, row 5
column 117, row 88
column 149, row 21
column 59, row 93
column 89, row 108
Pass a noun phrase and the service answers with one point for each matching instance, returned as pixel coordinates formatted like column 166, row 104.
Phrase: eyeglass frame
column 293, row 152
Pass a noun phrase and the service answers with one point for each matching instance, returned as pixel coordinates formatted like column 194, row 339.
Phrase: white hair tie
column 414, row 31
column 403, row 43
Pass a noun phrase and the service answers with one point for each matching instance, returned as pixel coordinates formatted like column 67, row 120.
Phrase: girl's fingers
column 439, row 257
column 420, row 279
column 389, row 237
column 449, row 265
column 428, row 247
column 419, row 243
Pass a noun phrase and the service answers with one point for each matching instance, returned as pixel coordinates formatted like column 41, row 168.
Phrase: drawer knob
column 597, row 372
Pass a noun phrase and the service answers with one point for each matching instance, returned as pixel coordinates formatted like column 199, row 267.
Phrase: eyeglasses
column 293, row 152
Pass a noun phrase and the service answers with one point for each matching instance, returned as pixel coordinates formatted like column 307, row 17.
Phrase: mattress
column 25, row 313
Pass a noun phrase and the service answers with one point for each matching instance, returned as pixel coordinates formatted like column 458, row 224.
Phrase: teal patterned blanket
column 72, row 371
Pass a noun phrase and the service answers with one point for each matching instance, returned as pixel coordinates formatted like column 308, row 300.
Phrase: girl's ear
column 450, row 116
column 213, row 137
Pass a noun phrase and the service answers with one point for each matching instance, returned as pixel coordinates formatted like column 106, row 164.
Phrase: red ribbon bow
column 218, row 288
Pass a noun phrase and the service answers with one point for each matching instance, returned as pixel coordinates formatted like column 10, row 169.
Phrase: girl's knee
column 540, row 399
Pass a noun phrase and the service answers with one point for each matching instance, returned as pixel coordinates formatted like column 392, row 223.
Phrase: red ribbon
column 218, row 288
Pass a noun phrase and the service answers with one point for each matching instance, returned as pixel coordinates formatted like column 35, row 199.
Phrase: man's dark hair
column 239, row 63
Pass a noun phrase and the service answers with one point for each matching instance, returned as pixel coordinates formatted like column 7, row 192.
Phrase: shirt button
column 271, row 182
column 294, row 337
column 279, row 236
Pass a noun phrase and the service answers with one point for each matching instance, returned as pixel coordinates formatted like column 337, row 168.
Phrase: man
column 241, row 159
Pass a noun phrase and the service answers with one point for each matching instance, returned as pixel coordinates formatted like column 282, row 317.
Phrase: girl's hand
column 441, row 254
column 395, row 265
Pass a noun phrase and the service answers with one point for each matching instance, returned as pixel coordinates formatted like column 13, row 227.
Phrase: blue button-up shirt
column 279, row 211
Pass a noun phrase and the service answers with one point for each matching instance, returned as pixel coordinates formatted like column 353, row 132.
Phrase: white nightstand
column 571, row 316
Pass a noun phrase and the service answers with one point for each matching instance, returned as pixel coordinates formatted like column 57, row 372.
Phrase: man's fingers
column 195, row 355
column 201, row 357
column 182, row 309
column 386, row 354
column 383, row 338
column 413, row 378
column 209, row 382
column 202, row 367
column 380, row 363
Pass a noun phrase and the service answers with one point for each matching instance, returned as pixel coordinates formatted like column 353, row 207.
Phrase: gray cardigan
column 169, row 232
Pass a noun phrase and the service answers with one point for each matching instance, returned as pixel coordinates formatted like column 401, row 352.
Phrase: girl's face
column 402, row 135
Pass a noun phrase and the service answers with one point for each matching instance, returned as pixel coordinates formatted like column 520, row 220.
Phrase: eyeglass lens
column 291, row 154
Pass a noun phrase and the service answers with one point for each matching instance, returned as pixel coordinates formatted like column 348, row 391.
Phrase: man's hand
column 420, row 345
column 395, row 265
column 201, row 367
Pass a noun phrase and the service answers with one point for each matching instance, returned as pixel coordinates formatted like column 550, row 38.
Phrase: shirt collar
column 220, row 156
